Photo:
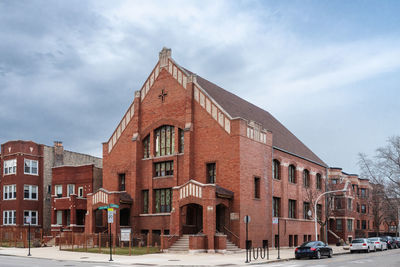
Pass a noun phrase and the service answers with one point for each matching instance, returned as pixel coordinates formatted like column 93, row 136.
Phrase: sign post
column 275, row 220
column 28, row 220
column 110, row 217
column 246, row 220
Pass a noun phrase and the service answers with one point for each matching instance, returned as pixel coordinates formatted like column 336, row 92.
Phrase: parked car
column 397, row 241
column 379, row 243
column 362, row 244
column 389, row 240
column 313, row 249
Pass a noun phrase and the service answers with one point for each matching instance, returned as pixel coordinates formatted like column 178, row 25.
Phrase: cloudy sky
column 328, row 70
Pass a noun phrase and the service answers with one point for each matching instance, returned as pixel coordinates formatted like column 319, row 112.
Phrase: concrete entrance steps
column 181, row 245
column 232, row 248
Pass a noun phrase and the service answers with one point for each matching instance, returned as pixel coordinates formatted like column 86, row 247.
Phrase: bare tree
column 383, row 170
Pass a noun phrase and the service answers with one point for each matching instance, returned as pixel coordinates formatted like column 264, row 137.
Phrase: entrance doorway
column 192, row 216
column 221, row 213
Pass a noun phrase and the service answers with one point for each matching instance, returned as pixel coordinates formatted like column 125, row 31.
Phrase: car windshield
column 374, row 239
column 355, row 241
column 309, row 244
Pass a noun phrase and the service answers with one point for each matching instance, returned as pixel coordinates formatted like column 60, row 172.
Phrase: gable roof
column 237, row 107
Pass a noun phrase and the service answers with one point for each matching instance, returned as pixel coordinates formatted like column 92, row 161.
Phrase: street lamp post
column 316, row 202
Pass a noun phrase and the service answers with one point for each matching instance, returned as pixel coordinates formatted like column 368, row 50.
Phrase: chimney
column 58, row 153
column 164, row 55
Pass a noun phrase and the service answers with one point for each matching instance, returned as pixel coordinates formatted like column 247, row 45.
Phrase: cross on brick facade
column 162, row 95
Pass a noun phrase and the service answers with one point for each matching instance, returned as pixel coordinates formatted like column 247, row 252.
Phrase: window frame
column 161, row 195
column 80, row 188
column 160, row 169
column 68, row 189
column 7, row 217
column 30, row 212
column 58, row 195
column 211, row 178
column 146, row 147
column 276, row 169
column 30, row 167
column 257, row 187
column 30, row 192
column 318, row 181
column 10, row 165
column 6, row 192
column 121, row 181
column 181, row 140
column 292, row 175
column 276, row 206
column 306, row 178
column 305, row 211
column 292, row 209
column 145, row 198
column 341, row 225
column 164, row 140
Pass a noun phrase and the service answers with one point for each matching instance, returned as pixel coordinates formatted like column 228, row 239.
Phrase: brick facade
column 241, row 150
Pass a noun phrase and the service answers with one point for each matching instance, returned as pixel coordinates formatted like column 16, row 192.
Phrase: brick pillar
column 209, row 224
column 175, row 220
column 89, row 217
column 73, row 210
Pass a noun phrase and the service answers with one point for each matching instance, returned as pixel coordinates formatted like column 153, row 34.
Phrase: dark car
column 390, row 242
column 313, row 249
column 397, row 241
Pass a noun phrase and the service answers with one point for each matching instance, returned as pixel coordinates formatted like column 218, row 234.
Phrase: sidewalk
column 202, row 259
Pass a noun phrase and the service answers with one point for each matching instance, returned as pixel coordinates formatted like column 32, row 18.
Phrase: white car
column 380, row 244
column 362, row 244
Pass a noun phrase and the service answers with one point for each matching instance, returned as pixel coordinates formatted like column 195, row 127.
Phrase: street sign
column 114, row 206
column 246, row 219
column 110, row 215
column 103, row 207
column 275, row 220
column 28, row 219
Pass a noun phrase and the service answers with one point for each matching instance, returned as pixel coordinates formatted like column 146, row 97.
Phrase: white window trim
column 30, row 214
column 14, row 216
column 73, row 191
column 5, row 192
column 55, row 190
column 30, row 167
column 31, row 191
column 11, row 163
column 59, row 212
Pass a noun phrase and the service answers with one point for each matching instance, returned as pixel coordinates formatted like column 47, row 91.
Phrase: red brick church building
column 189, row 157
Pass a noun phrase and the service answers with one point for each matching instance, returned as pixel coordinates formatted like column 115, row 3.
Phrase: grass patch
column 119, row 251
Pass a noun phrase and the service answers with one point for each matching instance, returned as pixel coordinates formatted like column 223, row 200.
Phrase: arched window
column 319, row 181
column 306, row 178
column 292, row 174
column 146, row 147
column 276, row 169
column 164, row 140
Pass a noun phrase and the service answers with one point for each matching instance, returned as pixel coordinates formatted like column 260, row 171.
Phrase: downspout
column 272, row 198
column 326, row 206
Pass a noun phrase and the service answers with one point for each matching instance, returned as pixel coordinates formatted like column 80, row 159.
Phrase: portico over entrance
column 96, row 217
column 198, row 209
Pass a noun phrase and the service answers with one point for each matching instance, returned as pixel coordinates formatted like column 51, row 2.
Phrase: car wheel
column 381, row 248
column 330, row 254
column 318, row 255
column 351, row 251
column 374, row 249
column 297, row 257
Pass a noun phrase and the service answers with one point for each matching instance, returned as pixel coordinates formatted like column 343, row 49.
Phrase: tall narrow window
column 163, row 200
column 276, row 206
column 9, row 217
column 211, row 173
column 349, row 225
column 80, row 191
column 319, row 211
column 181, row 141
column 165, row 168
column 319, row 181
column 276, row 169
column 145, row 201
column 292, row 174
column 256, row 187
column 306, row 208
column 339, row 224
column 349, row 204
column 31, row 192
column 146, row 147
column 165, row 140
column 58, row 190
column 292, row 208
column 121, row 181
column 70, row 190
column 306, row 178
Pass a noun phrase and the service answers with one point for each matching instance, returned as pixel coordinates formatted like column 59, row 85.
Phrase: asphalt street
column 390, row 258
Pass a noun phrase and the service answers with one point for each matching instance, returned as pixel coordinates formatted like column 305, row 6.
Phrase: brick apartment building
column 189, row 157
column 25, row 181
column 71, row 185
column 350, row 213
